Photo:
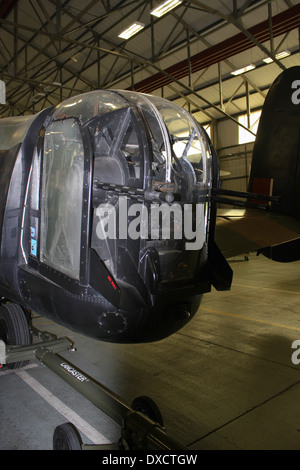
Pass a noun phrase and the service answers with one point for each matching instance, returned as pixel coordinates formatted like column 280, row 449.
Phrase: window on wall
column 244, row 135
column 208, row 130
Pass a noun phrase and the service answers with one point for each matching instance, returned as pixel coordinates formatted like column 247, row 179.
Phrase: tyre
column 148, row 407
column 66, row 437
column 14, row 329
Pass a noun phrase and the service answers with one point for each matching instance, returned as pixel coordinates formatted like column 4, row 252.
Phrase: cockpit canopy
column 93, row 148
column 175, row 135
column 136, row 141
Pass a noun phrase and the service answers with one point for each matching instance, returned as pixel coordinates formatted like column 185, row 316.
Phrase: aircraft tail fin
column 275, row 168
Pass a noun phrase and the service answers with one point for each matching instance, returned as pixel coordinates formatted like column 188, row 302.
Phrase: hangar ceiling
column 55, row 49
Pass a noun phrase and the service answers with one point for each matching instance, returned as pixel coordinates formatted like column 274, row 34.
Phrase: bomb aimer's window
column 61, row 203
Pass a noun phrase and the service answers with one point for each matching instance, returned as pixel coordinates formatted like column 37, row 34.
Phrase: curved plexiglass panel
column 176, row 135
column 61, row 202
column 89, row 105
column 13, row 130
column 187, row 139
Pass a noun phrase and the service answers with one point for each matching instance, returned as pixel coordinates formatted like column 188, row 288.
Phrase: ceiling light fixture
column 278, row 56
column 243, row 70
column 163, row 8
column 133, row 29
column 2, row 92
column 38, row 96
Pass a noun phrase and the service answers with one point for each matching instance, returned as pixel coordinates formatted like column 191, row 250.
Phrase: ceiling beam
column 283, row 22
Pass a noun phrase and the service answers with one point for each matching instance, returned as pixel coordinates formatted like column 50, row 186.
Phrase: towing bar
column 138, row 431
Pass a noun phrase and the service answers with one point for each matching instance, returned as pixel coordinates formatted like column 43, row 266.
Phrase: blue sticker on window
column 32, row 232
column 33, row 248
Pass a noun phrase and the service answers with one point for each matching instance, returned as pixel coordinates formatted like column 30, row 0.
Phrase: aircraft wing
column 240, row 231
column 275, row 170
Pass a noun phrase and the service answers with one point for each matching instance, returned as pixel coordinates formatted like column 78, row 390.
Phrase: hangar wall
column 234, row 158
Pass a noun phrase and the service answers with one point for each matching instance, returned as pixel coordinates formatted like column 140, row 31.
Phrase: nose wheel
column 149, row 408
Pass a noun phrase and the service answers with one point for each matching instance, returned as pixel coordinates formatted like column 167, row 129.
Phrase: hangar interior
column 227, row 380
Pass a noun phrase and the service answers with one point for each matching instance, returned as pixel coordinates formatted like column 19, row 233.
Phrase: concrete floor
column 226, row 381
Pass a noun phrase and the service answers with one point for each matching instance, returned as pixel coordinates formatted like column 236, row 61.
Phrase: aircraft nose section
column 169, row 314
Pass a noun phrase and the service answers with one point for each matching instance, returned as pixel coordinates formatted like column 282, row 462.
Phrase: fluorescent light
column 133, row 29
column 38, row 96
column 243, row 70
column 163, row 8
column 278, row 56
column 268, row 60
column 2, row 92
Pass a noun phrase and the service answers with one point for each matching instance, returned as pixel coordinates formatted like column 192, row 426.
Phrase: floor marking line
column 82, row 425
column 244, row 317
column 266, row 288
column 13, row 371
